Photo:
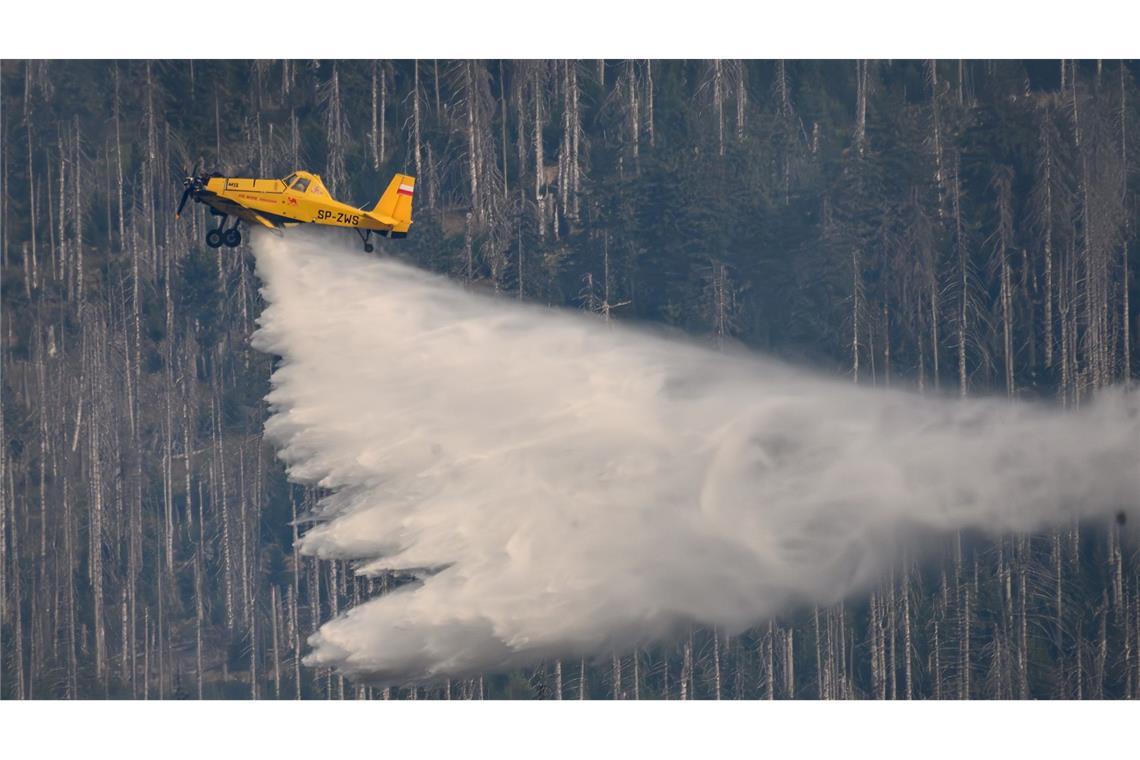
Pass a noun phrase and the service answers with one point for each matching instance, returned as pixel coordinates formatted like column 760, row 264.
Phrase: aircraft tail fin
column 396, row 203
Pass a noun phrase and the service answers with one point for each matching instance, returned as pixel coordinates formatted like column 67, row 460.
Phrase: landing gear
column 230, row 238
column 366, row 238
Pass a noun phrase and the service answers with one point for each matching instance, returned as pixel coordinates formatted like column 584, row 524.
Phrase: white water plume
column 567, row 487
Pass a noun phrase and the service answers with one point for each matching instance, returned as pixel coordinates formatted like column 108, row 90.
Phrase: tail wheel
column 232, row 237
column 214, row 238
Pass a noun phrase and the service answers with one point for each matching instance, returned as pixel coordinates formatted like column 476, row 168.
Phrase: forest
column 960, row 227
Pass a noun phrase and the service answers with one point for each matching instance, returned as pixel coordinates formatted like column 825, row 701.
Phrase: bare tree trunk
column 575, row 146
column 771, row 663
column 199, row 609
column 908, row 646
column 633, row 115
column 741, row 100
column 790, row 665
column 856, row 306
column 716, row 664
column 636, row 675
column 31, row 263
column 963, row 284
column 1003, row 183
column 539, row 161
column 4, row 194
column 472, row 146
column 860, row 106
column 375, row 132
column 821, row 690
column 686, row 670
column 223, row 502
column 1023, row 625
column 648, row 101
column 1125, row 312
column 63, row 265
column 503, row 128
column 718, row 104
column 416, row 116
column 936, row 664
column 96, row 527
column 72, row 623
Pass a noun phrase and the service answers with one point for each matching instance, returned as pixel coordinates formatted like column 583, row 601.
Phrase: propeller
column 192, row 183
column 185, row 196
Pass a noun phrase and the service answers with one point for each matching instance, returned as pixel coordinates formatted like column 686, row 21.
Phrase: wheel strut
column 365, row 237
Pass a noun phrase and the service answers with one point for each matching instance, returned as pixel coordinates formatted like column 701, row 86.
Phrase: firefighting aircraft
column 297, row 199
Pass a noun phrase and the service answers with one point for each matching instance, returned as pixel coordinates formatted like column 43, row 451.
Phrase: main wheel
column 214, row 238
column 368, row 248
column 232, row 237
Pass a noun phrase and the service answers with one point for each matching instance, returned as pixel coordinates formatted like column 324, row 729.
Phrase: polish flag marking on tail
column 405, row 189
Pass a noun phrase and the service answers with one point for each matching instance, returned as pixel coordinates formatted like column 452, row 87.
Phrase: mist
column 565, row 487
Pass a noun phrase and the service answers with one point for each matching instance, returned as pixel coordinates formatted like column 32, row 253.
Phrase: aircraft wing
column 252, row 217
column 247, row 215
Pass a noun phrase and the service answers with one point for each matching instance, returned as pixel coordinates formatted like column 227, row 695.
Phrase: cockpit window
column 301, row 185
column 289, row 180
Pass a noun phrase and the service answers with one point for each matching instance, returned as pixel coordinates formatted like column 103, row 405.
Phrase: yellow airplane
column 299, row 198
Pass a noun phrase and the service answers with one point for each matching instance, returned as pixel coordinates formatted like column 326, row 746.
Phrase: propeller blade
column 182, row 203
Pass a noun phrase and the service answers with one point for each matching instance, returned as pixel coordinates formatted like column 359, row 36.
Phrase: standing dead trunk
column 936, row 133
column 717, row 683
column 539, row 161
column 860, row 106
column 718, row 104
column 1125, row 312
column 31, row 262
column 741, row 100
column 856, row 307
column 632, row 114
column 648, row 101
column 503, row 129
column 416, row 128
column 1002, row 183
column 770, row 670
column 471, row 100
column 963, row 285
column 908, row 645
column 375, row 132
column 790, row 665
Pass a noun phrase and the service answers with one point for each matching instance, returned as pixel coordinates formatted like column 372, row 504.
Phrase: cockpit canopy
column 301, row 181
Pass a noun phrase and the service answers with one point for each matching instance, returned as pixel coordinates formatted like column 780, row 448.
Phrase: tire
column 232, row 237
column 214, row 239
column 368, row 248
